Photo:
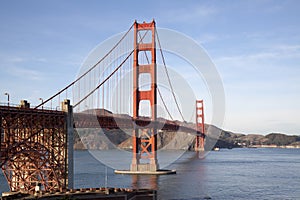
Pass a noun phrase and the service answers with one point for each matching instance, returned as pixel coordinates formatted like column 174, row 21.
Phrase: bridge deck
column 111, row 121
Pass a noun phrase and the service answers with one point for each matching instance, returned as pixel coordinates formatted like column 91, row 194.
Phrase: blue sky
column 255, row 46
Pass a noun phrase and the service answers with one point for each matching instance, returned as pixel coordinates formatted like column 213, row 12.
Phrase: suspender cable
column 169, row 80
column 106, row 79
column 108, row 53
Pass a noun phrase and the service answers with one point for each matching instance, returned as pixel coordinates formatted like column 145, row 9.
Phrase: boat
column 216, row 149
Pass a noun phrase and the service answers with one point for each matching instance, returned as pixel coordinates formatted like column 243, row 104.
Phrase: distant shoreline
column 249, row 147
column 275, row 146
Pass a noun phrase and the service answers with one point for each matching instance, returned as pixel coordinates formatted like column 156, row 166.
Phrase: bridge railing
column 5, row 104
column 8, row 104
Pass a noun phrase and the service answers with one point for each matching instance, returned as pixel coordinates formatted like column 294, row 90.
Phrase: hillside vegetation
column 110, row 139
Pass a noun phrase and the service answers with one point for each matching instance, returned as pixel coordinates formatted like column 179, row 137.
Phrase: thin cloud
column 17, row 66
column 12, row 60
column 191, row 14
column 16, row 60
column 28, row 74
column 207, row 38
column 274, row 52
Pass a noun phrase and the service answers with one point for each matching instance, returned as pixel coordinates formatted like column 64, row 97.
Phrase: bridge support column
column 68, row 109
column 200, row 138
column 144, row 138
column 36, row 148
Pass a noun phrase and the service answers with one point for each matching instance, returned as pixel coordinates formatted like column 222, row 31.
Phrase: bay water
column 262, row 173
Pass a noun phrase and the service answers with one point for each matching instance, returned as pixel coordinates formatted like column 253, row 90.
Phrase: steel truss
column 144, row 142
column 34, row 148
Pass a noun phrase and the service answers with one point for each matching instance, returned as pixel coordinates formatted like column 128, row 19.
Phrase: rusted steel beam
column 33, row 146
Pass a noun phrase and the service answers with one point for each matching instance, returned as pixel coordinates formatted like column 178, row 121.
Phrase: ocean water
column 226, row 174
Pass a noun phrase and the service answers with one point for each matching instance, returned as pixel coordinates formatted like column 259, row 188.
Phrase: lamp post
column 7, row 98
column 42, row 102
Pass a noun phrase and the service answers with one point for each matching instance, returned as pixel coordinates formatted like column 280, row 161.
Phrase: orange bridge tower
column 144, row 139
column 200, row 138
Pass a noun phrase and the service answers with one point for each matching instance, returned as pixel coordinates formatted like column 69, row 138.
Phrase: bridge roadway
column 10, row 117
column 98, row 119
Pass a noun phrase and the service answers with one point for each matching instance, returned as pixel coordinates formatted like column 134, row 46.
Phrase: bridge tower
column 144, row 139
column 200, row 138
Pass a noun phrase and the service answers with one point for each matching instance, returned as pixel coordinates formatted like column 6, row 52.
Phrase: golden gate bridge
column 37, row 143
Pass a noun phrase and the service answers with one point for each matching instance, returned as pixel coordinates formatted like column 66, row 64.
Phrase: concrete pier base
column 151, row 168
column 144, row 167
column 157, row 172
column 201, row 149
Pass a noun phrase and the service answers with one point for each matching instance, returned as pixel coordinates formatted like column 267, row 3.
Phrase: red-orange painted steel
column 33, row 148
column 200, row 139
column 145, row 150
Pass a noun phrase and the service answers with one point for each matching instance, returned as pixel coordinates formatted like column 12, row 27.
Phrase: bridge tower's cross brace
column 200, row 138
column 144, row 140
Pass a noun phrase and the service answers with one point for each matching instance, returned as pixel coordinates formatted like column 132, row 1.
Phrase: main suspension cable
column 108, row 53
column 107, row 78
column 169, row 80
column 160, row 95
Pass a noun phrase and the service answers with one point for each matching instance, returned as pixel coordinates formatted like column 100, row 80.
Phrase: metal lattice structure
column 200, row 127
column 34, row 148
column 144, row 141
